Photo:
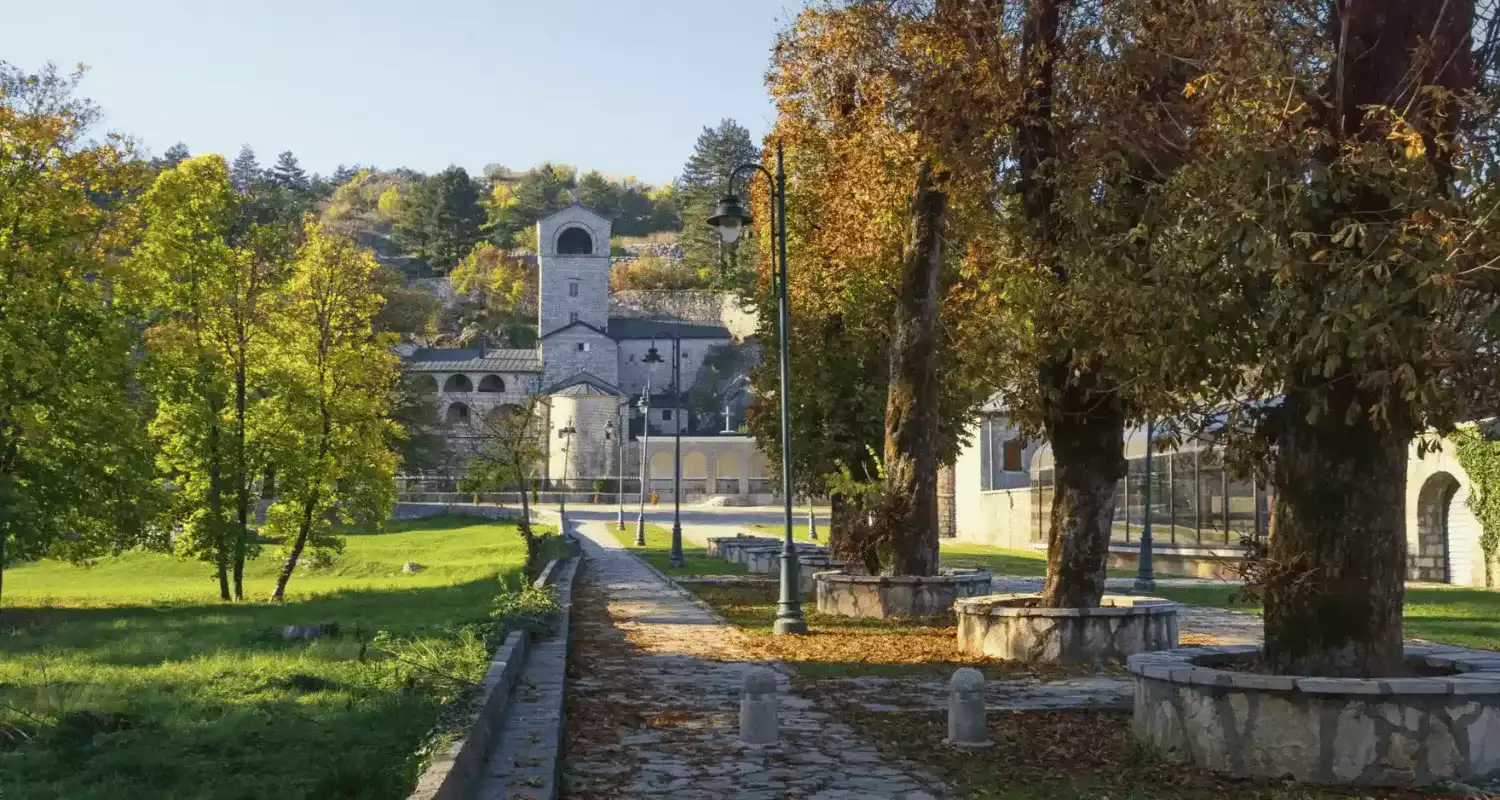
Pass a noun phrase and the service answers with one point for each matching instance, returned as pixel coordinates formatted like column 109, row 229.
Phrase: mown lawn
column 1451, row 615
column 129, row 679
column 658, row 550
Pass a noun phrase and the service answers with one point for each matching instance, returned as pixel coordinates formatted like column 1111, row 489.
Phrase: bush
column 529, row 609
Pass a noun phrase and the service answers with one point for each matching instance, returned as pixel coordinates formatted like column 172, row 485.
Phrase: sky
column 621, row 86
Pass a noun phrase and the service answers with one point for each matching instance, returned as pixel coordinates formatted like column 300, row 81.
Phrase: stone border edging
column 1414, row 731
column 455, row 773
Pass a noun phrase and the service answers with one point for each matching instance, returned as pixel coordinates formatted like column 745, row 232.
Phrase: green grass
column 800, row 532
column 1451, row 615
column 658, row 550
column 212, row 703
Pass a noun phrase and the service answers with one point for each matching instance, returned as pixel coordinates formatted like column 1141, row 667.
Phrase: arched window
column 575, row 242
column 491, row 383
column 424, row 383
column 458, row 414
column 459, row 383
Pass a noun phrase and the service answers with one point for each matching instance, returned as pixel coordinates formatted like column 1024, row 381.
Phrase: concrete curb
column 457, row 773
column 453, row 774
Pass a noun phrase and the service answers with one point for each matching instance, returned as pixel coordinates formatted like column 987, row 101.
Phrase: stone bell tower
column 573, row 269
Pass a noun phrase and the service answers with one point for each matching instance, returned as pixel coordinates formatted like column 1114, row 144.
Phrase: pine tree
column 288, row 174
column 703, row 182
column 176, row 154
column 246, row 171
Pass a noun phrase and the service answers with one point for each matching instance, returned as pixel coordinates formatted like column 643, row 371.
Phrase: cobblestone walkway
column 654, row 702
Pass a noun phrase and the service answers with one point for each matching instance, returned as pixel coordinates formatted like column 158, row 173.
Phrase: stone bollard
column 966, row 709
column 758, row 707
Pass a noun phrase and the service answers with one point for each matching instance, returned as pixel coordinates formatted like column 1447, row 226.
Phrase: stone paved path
column 654, row 705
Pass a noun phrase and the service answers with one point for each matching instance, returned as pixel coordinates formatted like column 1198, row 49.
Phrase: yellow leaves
column 1410, row 140
column 1204, row 81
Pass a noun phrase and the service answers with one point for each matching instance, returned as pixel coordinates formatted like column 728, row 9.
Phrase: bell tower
column 573, row 269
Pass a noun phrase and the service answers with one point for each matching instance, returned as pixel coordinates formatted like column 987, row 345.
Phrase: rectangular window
column 1012, row 455
column 666, row 415
column 572, row 316
column 572, row 288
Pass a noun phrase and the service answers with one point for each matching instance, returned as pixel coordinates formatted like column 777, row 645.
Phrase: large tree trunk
column 1338, row 551
column 1085, row 423
column 1334, row 583
column 911, row 413
column 525, row 523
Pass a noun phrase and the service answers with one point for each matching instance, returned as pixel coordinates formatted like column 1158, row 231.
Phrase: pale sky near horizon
column 623, row 87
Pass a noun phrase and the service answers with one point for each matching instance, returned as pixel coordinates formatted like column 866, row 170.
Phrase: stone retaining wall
column 1010, row 626
column 896, row 597
column 1394, row 731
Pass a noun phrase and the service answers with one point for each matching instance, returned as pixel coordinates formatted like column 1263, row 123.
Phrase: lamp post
column 562, row 497
column 674, row 558
column 614, row 429
column 640, row 519
column 729, row 219
column 1145, row 577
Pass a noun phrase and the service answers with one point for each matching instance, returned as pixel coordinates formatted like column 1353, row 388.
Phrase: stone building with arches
column 585, row 377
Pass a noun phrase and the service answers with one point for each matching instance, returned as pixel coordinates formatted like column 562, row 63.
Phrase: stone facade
column 1394, row 731
column 588, row 453
column 1010, row 626
column 897, row 597
column 579, row 348
column 701, row 307
column 557, row 299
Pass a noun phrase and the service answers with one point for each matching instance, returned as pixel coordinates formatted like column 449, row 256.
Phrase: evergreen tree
column 439, row 221
column 176, row 154
column 246, row 171
column 288, row 174
column 703, row 183
column 342, row 174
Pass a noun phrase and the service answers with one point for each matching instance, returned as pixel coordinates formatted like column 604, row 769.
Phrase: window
column 666, row 415
column 491, row 383
column 632, row 357
column 583, row 347
column 1001, row 456
column 458, row 414
column 572, row 317
column 572, row 288
column 458, row 383
column 687, row 355
column 1011, row 461
column 575, row 241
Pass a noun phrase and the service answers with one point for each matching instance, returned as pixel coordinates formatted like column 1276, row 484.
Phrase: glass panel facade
column 1195, row 502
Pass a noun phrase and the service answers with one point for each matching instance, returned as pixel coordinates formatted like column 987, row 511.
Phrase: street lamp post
column 562, row 497
column 615, row 429
column 1145, row 577
column 640, row 519
column 674, row 558
column 729, row 219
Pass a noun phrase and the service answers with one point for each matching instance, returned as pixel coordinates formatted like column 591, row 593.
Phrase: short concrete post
column 966, row 709
column 758, row 707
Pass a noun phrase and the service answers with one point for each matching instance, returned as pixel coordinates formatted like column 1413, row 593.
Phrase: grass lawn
column 1458, row 616
column 202, row 699
column 658, row 549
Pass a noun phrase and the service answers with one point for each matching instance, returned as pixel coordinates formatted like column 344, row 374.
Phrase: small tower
column 573, row 259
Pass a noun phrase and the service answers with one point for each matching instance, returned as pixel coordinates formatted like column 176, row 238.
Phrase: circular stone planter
column 1379, row 732
column 1010, row 626
column 897, row 597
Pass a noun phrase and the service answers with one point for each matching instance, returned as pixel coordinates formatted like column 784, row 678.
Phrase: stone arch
column 491, row 383
column 1430, row 559
column 729, row 465
column 458, row 384
column 424, row 383
column 575, row 240
column 661, row 465
column 694, row 466
column 457, row 414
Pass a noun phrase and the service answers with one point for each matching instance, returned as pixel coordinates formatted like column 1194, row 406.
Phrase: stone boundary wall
column 457, row 772
column 1010, row 626
column 1414, row 731
column 896, row 597
column 419, row 510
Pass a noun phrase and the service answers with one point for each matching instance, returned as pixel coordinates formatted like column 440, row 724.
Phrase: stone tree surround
column 1412, row 731
column 899, row 596
column 1010, row 626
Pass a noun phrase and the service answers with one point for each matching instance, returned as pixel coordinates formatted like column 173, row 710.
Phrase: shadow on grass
column 219, row 706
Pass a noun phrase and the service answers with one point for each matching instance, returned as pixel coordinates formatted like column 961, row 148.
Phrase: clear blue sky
column 622, row 86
